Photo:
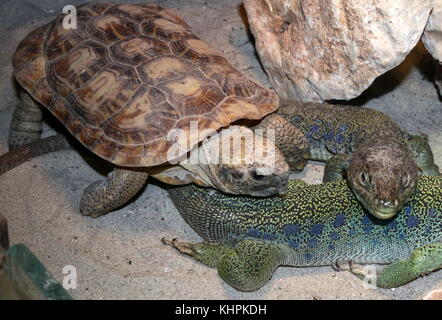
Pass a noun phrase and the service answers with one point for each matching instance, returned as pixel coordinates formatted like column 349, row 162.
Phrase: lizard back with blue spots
column 321, row 224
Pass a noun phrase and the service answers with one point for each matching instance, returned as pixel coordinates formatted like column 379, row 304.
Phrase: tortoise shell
column 128, row 75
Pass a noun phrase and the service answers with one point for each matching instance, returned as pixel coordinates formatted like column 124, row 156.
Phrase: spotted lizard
column 380, row 161
column 313, row 225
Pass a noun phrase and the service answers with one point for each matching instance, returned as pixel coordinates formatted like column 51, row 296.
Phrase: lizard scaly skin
column 313, row 225
column 381, row 162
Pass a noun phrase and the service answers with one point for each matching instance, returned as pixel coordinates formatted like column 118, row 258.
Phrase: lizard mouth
column 385, row 213
column 378, row 209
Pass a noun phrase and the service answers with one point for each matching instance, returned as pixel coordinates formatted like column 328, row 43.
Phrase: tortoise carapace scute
column 128, row 75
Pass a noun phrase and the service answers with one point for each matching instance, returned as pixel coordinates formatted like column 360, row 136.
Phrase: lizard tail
column 16, row 157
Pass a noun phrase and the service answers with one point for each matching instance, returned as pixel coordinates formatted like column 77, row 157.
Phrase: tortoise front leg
column 335, row 167
column 289, row 139
column 423, row 155
column 246, row 267
column 120, row 186
column 26, row 123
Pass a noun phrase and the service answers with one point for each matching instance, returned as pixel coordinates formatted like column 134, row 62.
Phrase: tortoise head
column 383, row 178
column 245, row 164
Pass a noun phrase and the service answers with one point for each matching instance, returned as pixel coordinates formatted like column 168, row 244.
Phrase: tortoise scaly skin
column 126, row 78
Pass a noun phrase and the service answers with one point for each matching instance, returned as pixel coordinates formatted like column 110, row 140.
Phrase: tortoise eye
column 259, row 177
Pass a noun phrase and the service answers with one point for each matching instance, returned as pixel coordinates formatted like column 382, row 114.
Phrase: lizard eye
column 364, row 179
column 406, row 180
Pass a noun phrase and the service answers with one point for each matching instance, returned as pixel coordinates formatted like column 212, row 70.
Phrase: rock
column 316, row 50
column 29, row 278
column 432, row 37
column 4, row 237
column 434, row 295
column 438, row 77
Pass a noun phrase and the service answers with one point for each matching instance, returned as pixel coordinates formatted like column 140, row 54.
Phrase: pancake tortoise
column 129, row 80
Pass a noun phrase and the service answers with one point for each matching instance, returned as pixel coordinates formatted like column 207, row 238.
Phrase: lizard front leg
column 289, row 139
column 335, row 167
column 422, row 261
column 246, row 267
column 422, row 154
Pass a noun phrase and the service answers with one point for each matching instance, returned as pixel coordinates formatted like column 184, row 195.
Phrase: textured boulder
column 316, row 50
column 4, row 237
column 434, row 295
column 432, row 37
column 438, row 77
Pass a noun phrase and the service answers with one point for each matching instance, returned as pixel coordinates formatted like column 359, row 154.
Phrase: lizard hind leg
column 251, row 264
column 206, row 253
column 247, row 266
column 26, row 123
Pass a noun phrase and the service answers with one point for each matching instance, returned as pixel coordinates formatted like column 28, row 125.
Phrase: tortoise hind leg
column 26, row 123
column 104, row 196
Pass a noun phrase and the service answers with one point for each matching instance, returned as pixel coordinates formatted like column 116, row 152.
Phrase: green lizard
column 381, row 162
column 248, row 238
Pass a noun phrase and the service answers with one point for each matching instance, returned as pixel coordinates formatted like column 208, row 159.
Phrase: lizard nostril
column 385, row 203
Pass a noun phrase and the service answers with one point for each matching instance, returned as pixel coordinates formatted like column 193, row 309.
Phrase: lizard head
column 383, row 178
